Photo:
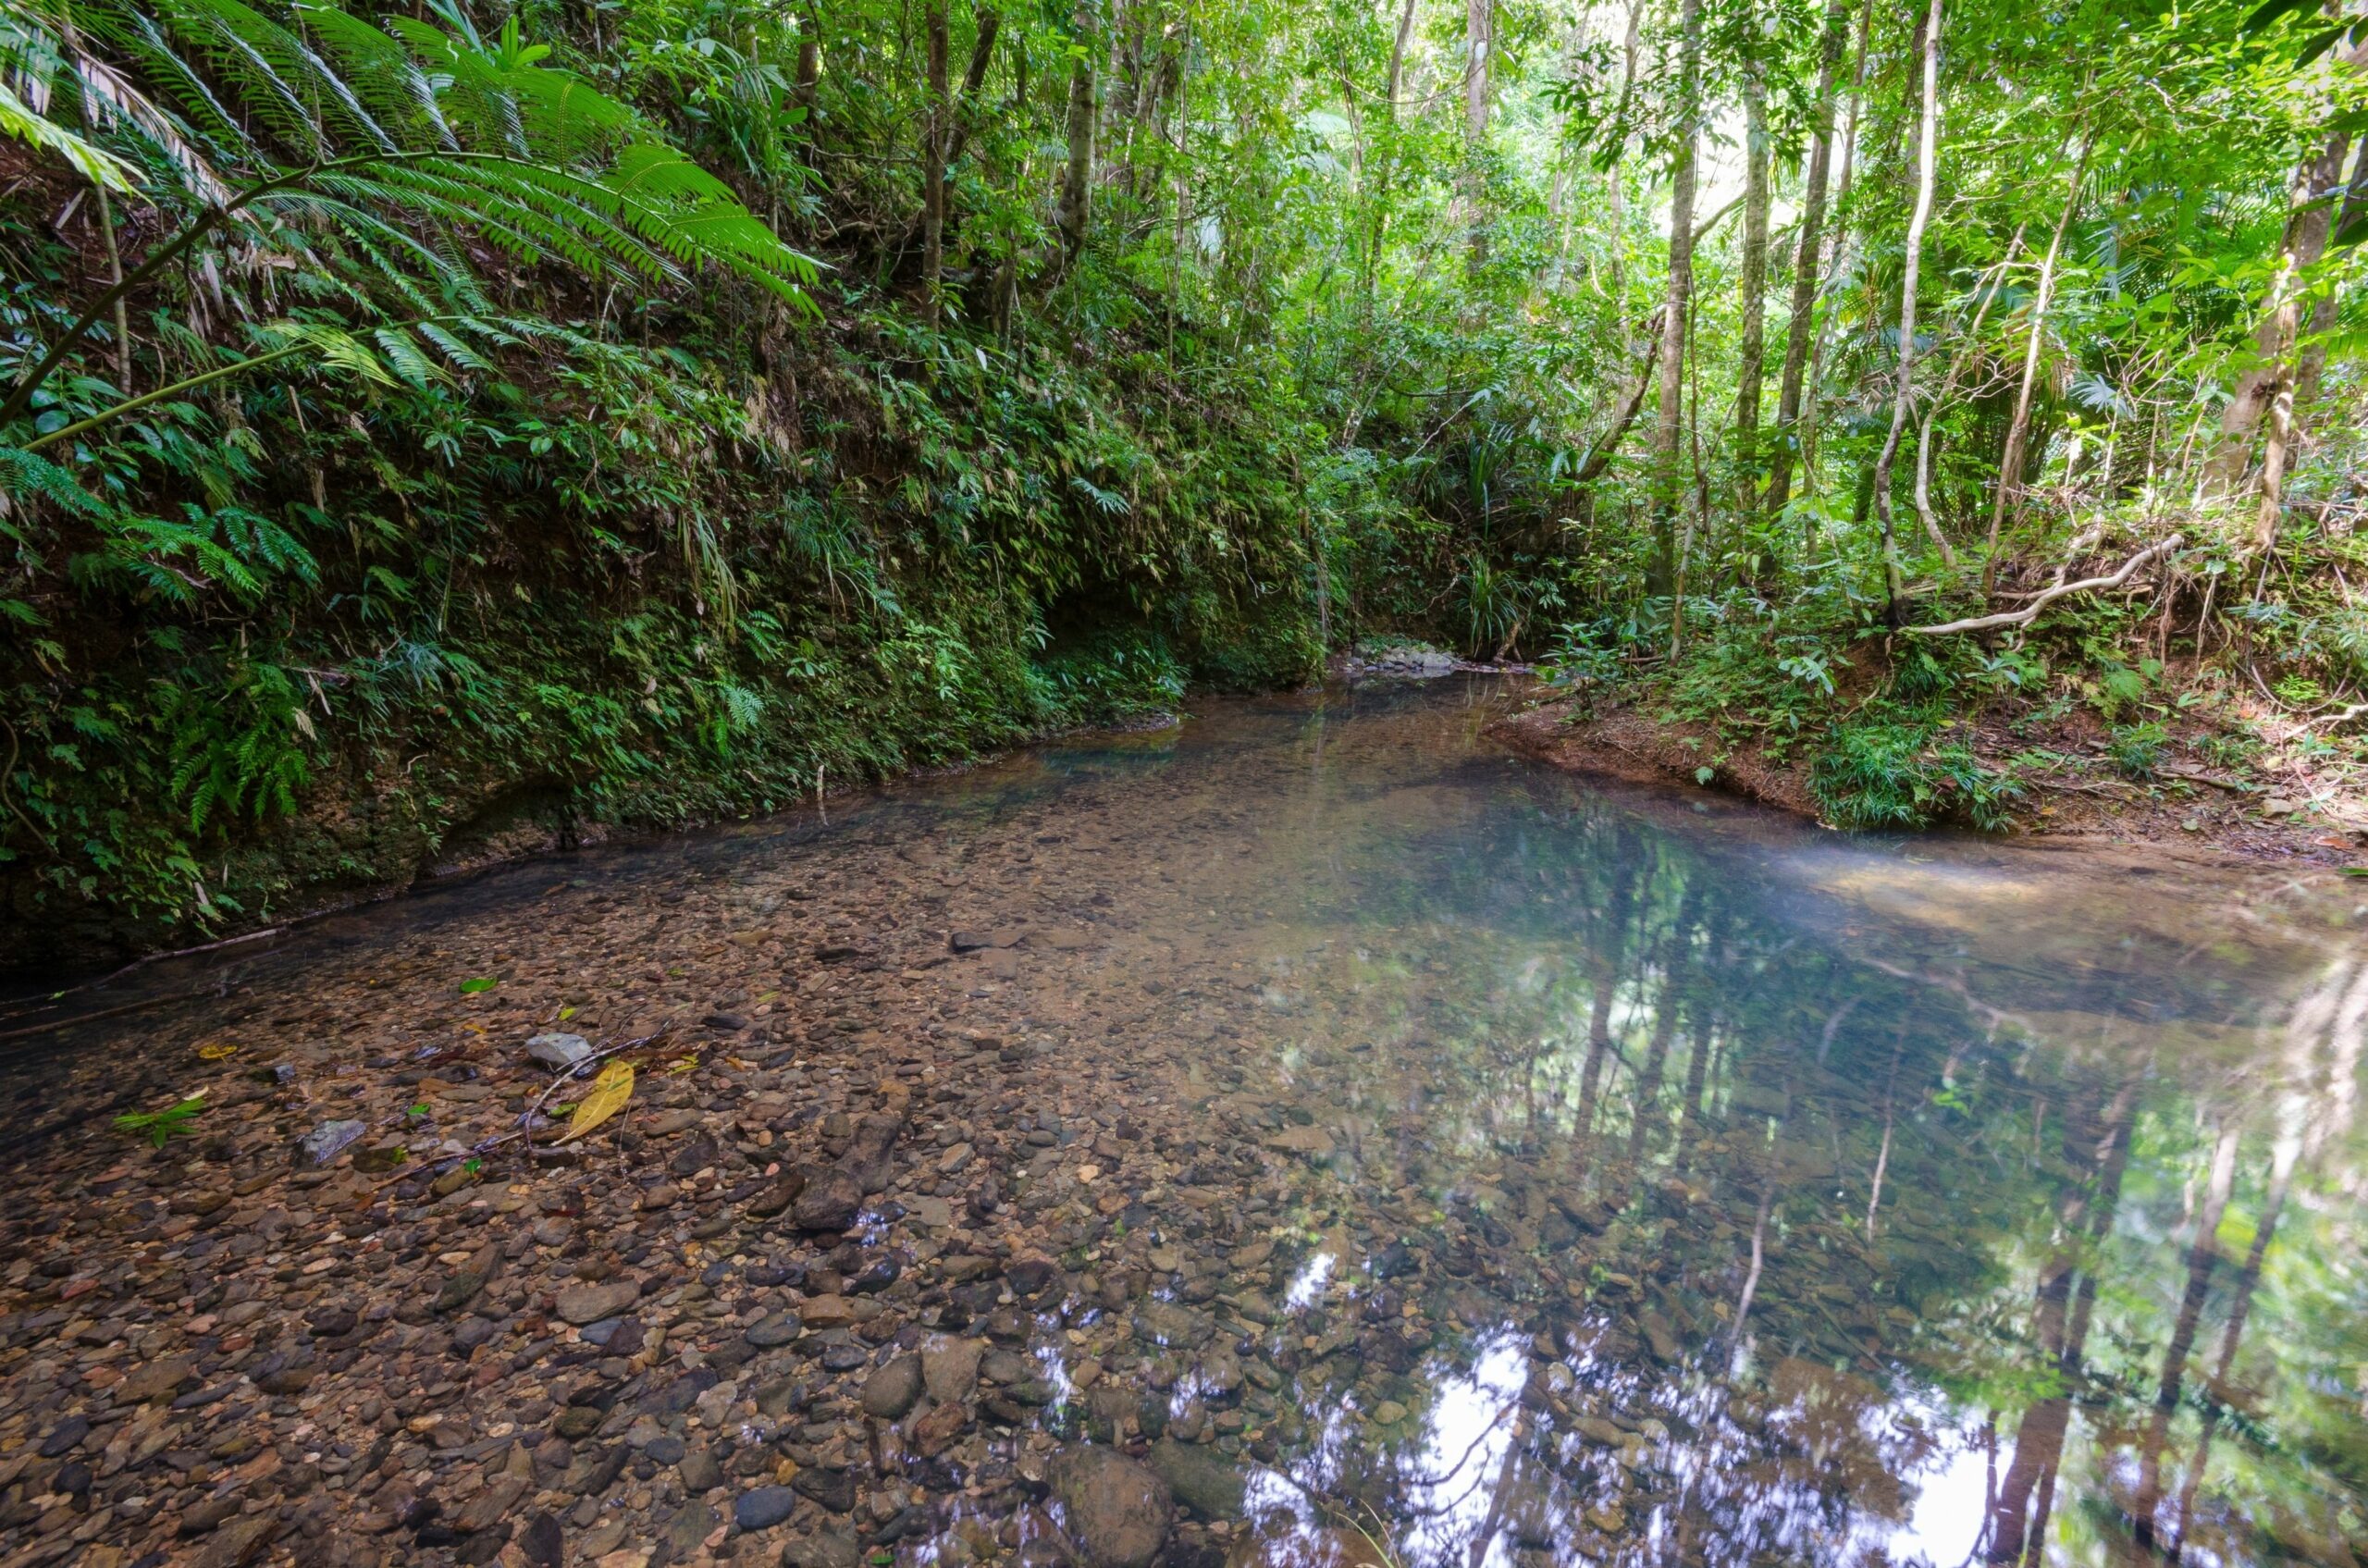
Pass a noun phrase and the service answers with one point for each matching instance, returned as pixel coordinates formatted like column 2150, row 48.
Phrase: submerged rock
column 581, row 1304
column 892, row 1390
column 829, row 1200
column 1201, row 1479
column 1118, row 1512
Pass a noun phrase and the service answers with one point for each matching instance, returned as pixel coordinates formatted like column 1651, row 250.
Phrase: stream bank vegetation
column 434, row 433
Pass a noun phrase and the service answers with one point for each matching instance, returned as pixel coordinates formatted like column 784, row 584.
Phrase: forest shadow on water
column 1403, row 1154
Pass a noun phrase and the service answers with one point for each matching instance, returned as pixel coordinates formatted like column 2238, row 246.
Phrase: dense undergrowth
column 627, row 595
column 514, row 422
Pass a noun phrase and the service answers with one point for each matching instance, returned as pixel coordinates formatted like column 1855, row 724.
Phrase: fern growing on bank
column 368, row 153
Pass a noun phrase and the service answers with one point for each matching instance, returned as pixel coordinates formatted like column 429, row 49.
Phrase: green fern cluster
column 1897, row 772
column 371, row 154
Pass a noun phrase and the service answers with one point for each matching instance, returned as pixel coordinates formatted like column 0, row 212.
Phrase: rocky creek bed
column 1306, row 1140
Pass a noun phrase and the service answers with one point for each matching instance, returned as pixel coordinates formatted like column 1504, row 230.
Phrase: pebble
column 763, row 1507
column 1117, row 1510
column 559, row 1050
column 325, row 1142
column 891, row 1391
column 581, row 1304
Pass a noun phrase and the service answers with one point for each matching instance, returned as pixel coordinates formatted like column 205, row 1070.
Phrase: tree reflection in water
column 1782, row 1200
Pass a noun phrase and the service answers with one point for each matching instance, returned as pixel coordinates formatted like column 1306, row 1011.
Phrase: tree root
column 2040, row 600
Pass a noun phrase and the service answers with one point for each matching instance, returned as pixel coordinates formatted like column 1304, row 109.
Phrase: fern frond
column 383, row 74
column 261, row 60
column 92, row 162
column 26, row 476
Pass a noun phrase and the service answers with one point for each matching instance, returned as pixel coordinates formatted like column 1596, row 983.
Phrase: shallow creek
column 1300, row 1136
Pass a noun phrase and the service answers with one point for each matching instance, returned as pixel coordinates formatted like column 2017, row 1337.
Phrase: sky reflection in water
column 2050, row 1164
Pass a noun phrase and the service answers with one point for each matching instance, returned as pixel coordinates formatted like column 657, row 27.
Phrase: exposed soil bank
column 2191, row 813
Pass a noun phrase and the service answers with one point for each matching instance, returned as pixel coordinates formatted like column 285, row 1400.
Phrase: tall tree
column 1805, row 429
column 1928, row 154
column 1670, row 427
column 1751, row 353
column 937, row 117
column 1479, row 46
column 1807, row 257
column 2298, row 247
column 2353, row 214
column 1077, row 179
column 1615, row 178
column 974, row 80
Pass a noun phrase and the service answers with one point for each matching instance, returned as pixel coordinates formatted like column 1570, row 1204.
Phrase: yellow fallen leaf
column 566, row 1014
column 610, row 1092
column 215, row 1053
column 688, row 1064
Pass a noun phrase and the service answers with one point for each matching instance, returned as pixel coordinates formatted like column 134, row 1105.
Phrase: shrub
column 1906, row 773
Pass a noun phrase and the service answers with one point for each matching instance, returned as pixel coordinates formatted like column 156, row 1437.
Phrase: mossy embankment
column 648, row 591
column 2218, row 779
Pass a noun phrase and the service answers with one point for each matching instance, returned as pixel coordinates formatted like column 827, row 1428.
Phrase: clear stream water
column 1660, row 1181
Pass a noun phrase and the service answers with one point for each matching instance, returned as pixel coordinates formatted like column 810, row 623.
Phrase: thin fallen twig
column 2040, row 600
column 525, row 1127
column 49, row 998
column 54, row 1025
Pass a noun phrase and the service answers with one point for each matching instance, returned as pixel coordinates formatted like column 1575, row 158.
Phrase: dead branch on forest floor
column 2040, row 600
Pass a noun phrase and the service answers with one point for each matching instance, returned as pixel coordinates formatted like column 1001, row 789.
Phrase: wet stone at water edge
column 1300, row 1137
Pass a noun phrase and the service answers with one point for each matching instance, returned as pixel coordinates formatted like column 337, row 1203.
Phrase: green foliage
column 477, row 438
column 159, row 1126
column 1905, row 772
column 2137, row 749
column 1106, row 678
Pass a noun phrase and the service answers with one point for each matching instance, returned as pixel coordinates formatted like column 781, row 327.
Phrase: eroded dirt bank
column 2191, row 814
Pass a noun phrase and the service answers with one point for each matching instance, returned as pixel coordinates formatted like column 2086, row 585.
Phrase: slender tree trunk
column 122, row 316
column 1988, row 286
column 1599, row 456
column 1805, row 429
column 2272, row 466
column 1398, row 56
column 2285, row 322
column 1752, row 353
column 2010, row 465
column 1661, row 577
column 982, row 54
column 1927, row 160
column 1479, row 22
column 1376, row 209
column 1076, row 182
column 1808, row 258
column 935, row 128
column 810, row 64
column 2271, row 374
column 2314, row 351
column 1616, row 177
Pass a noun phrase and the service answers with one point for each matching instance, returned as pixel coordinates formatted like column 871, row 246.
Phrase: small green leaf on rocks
column 158, row 1125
